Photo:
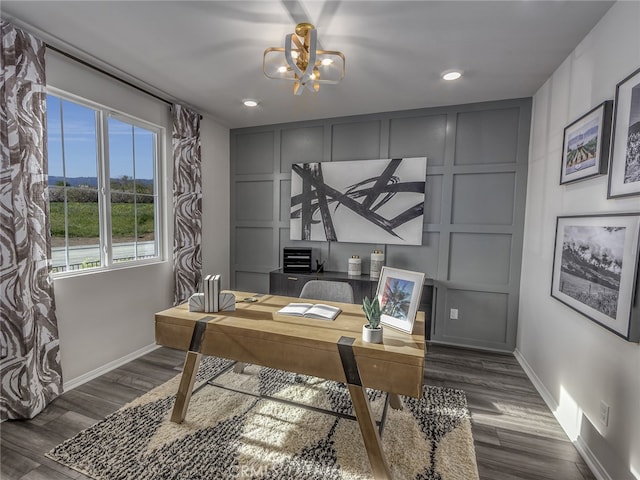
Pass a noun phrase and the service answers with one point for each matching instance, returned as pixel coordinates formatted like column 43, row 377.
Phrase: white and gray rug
column 229, row 435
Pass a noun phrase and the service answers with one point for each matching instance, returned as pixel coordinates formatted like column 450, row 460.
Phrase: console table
column 255, row 333
column 290, row 284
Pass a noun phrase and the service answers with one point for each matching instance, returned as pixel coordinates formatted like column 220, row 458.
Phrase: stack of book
column 211, row 287
column 212, row 299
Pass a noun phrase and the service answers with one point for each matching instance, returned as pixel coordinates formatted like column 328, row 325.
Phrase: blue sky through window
column 78, row 126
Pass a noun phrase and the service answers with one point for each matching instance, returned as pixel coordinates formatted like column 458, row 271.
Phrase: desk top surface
column 259, row 320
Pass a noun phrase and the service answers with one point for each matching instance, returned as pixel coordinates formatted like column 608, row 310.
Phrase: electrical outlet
column 604, row 413
column 453, row 315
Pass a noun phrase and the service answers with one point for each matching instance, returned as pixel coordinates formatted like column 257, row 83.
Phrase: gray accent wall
column 474, row 209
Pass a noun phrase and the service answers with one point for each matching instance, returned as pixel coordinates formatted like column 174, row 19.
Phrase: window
column 103, row 186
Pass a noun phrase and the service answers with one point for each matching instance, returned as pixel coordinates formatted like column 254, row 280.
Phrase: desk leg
column 189, row 372
column 370, row 434
column 183, row 397
column 395, row 402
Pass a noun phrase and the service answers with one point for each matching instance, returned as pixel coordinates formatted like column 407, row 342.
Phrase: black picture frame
column 624, row 168
column 595, row 269
column 585, row 146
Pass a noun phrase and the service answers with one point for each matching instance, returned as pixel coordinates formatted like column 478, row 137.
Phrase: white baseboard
column 591, row 460
column 76, row 382
column 583, row 449
column 542, row 390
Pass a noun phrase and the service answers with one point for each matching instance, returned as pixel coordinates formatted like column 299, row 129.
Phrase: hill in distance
column 87, row 181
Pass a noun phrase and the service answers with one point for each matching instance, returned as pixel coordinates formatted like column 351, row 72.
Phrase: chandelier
column 301, row 62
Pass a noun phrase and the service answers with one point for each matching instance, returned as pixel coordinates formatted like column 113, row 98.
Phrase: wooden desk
column 254, row 333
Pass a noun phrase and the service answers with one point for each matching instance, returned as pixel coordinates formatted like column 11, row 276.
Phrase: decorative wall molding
column 473, row 215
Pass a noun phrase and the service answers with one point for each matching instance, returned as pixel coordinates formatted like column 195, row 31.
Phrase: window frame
column 103, row 113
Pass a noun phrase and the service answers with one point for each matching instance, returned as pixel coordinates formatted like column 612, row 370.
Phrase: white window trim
column 104, row 207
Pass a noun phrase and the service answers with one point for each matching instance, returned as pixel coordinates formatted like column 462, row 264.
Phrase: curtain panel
column 30, row 363
column 187, row 203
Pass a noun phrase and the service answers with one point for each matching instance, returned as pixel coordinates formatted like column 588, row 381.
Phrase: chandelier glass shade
column 302, row 63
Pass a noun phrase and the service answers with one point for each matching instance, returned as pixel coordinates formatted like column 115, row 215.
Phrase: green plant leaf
column 372, row 311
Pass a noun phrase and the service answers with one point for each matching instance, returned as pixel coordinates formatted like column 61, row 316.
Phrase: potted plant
column 372, row 331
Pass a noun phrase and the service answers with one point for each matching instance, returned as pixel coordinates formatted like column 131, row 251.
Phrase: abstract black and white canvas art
column 363, row 201
column 594, row 269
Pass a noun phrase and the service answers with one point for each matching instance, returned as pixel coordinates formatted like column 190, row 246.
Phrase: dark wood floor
column 515, row 434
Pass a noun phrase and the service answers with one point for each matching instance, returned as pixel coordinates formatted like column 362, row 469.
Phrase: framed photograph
column 585, row 150
column 399, row 294
column 595, row 269
column 624, row 171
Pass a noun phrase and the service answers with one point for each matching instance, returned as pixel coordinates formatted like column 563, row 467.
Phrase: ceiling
column 208, row 54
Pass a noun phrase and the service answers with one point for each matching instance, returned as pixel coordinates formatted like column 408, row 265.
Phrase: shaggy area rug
column 231, row 435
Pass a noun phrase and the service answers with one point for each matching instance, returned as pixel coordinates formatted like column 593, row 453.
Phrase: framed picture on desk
column 399, row 294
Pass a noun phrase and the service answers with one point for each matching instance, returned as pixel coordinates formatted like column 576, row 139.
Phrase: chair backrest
column 327, row 290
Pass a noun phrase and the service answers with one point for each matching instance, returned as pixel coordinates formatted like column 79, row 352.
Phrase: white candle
column 377, row 261
column 355, row 265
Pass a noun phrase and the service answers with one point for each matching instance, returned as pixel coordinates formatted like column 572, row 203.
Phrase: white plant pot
column 371, row 335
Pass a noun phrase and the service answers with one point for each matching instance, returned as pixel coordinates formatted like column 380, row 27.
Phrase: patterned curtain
column 187, row 203
column 31, row 373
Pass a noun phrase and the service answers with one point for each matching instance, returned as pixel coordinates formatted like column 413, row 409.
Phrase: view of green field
column 83, row 219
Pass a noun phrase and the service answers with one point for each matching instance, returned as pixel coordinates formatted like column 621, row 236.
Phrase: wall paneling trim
column 477, row 159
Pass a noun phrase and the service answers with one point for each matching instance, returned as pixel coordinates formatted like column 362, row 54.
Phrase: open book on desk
column 309, row 310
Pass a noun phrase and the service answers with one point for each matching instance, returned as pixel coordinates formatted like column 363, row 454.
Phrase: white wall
column 216, row 196
column 106, row 317
column 575, row 362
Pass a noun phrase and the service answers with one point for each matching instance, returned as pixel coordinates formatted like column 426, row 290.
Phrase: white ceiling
column 208, row 54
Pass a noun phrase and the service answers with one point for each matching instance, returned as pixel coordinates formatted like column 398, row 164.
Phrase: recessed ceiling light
column 282, row 69
column 326, row 61
column 451, row 75
column 250, row 102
